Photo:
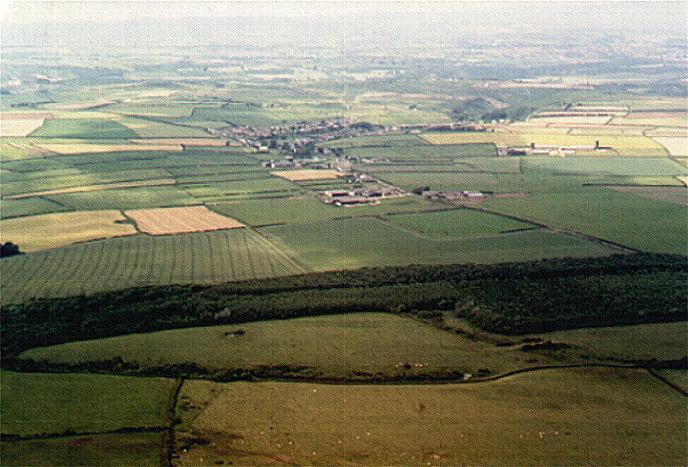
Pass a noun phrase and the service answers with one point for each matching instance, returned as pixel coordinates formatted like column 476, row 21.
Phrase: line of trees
column 514, row 298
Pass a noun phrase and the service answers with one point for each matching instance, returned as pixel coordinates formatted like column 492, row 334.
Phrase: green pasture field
column 424, row 152
column 354, row 243
column 27, row 207
column 153, row 108
column 306, row 209
column 613, row 216
column 13, row 149
column 630, row 166
column 266, row 115
column 218, row 189
column 336, row 345
column 84, row 179
column 377, row 141
column 457, row 223
column 35, row 403
column 220, row 256
column 105, row 450
column 129, row 198
column 551, row 417
column 84, row 128
column 663, row 341
column 156, row 129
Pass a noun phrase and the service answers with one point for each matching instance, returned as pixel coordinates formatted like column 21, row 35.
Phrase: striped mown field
column 227, row 255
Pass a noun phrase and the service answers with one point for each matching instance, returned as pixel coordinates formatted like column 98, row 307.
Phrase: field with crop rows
column 225, row 255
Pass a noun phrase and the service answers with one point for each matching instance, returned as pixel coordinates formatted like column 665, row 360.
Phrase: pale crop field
column 19, row 127
column 169, row 221
column 306, row 174
column 41, row 232
column 676, row 145
column 497, row 138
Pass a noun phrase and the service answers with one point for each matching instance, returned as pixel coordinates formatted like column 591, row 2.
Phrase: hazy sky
column 126, row 23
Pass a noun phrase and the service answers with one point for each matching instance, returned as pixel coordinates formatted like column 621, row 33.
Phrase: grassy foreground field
column 42, row 403
column 332, row 346
column 547, row 417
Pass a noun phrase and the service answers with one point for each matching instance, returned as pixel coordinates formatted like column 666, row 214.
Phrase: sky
column 128, row 23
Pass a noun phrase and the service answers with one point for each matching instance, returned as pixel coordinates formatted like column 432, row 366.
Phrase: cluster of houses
column 534, row 150
column 359, row 196
column 290, row 162
column 465, row 195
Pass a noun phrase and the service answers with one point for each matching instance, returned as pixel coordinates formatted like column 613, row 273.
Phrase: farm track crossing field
column 46, row 231
column 207, row 257
column 617, row 217
column 166, row 221
column 35, row 403
column 337, row 346
column 354, row 243
column 549, row 417
column 92, row 188
column 18, row 126
column 27, row 207
column 131, row 198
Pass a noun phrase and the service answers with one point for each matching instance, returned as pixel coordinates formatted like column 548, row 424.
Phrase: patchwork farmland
column 362, row 253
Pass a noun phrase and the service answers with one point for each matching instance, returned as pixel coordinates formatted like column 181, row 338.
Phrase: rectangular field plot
column 632, row 166
column 90, row 148
column 155, row 129
column 35, row 403
column 306, row 209
column 354, row 243
column 306, row 175
column 466, row 137
column 198, row 258
column 456, row 223
column 131, row 198
column 376, row 141
column 424, row 152
column 168, row 221
column 527, row 419
column 338, row 346
column 617, row 217
column 109, row 449
column 84, row 128
column 46, row 231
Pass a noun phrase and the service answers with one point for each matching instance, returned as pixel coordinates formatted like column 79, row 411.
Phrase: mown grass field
column 613, row 216
column 586, row 416
column 121, row 449
column 113, row 264
column 378, row 141
column 36, row 403
column 352, row 243
column 424, row 152
column 336, row 346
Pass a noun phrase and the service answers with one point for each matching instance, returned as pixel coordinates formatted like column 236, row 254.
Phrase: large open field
column 113, row 264
column 613, row 216
column 351, row 243
column 586, row 416
column 168, row 221
column 53, row 230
